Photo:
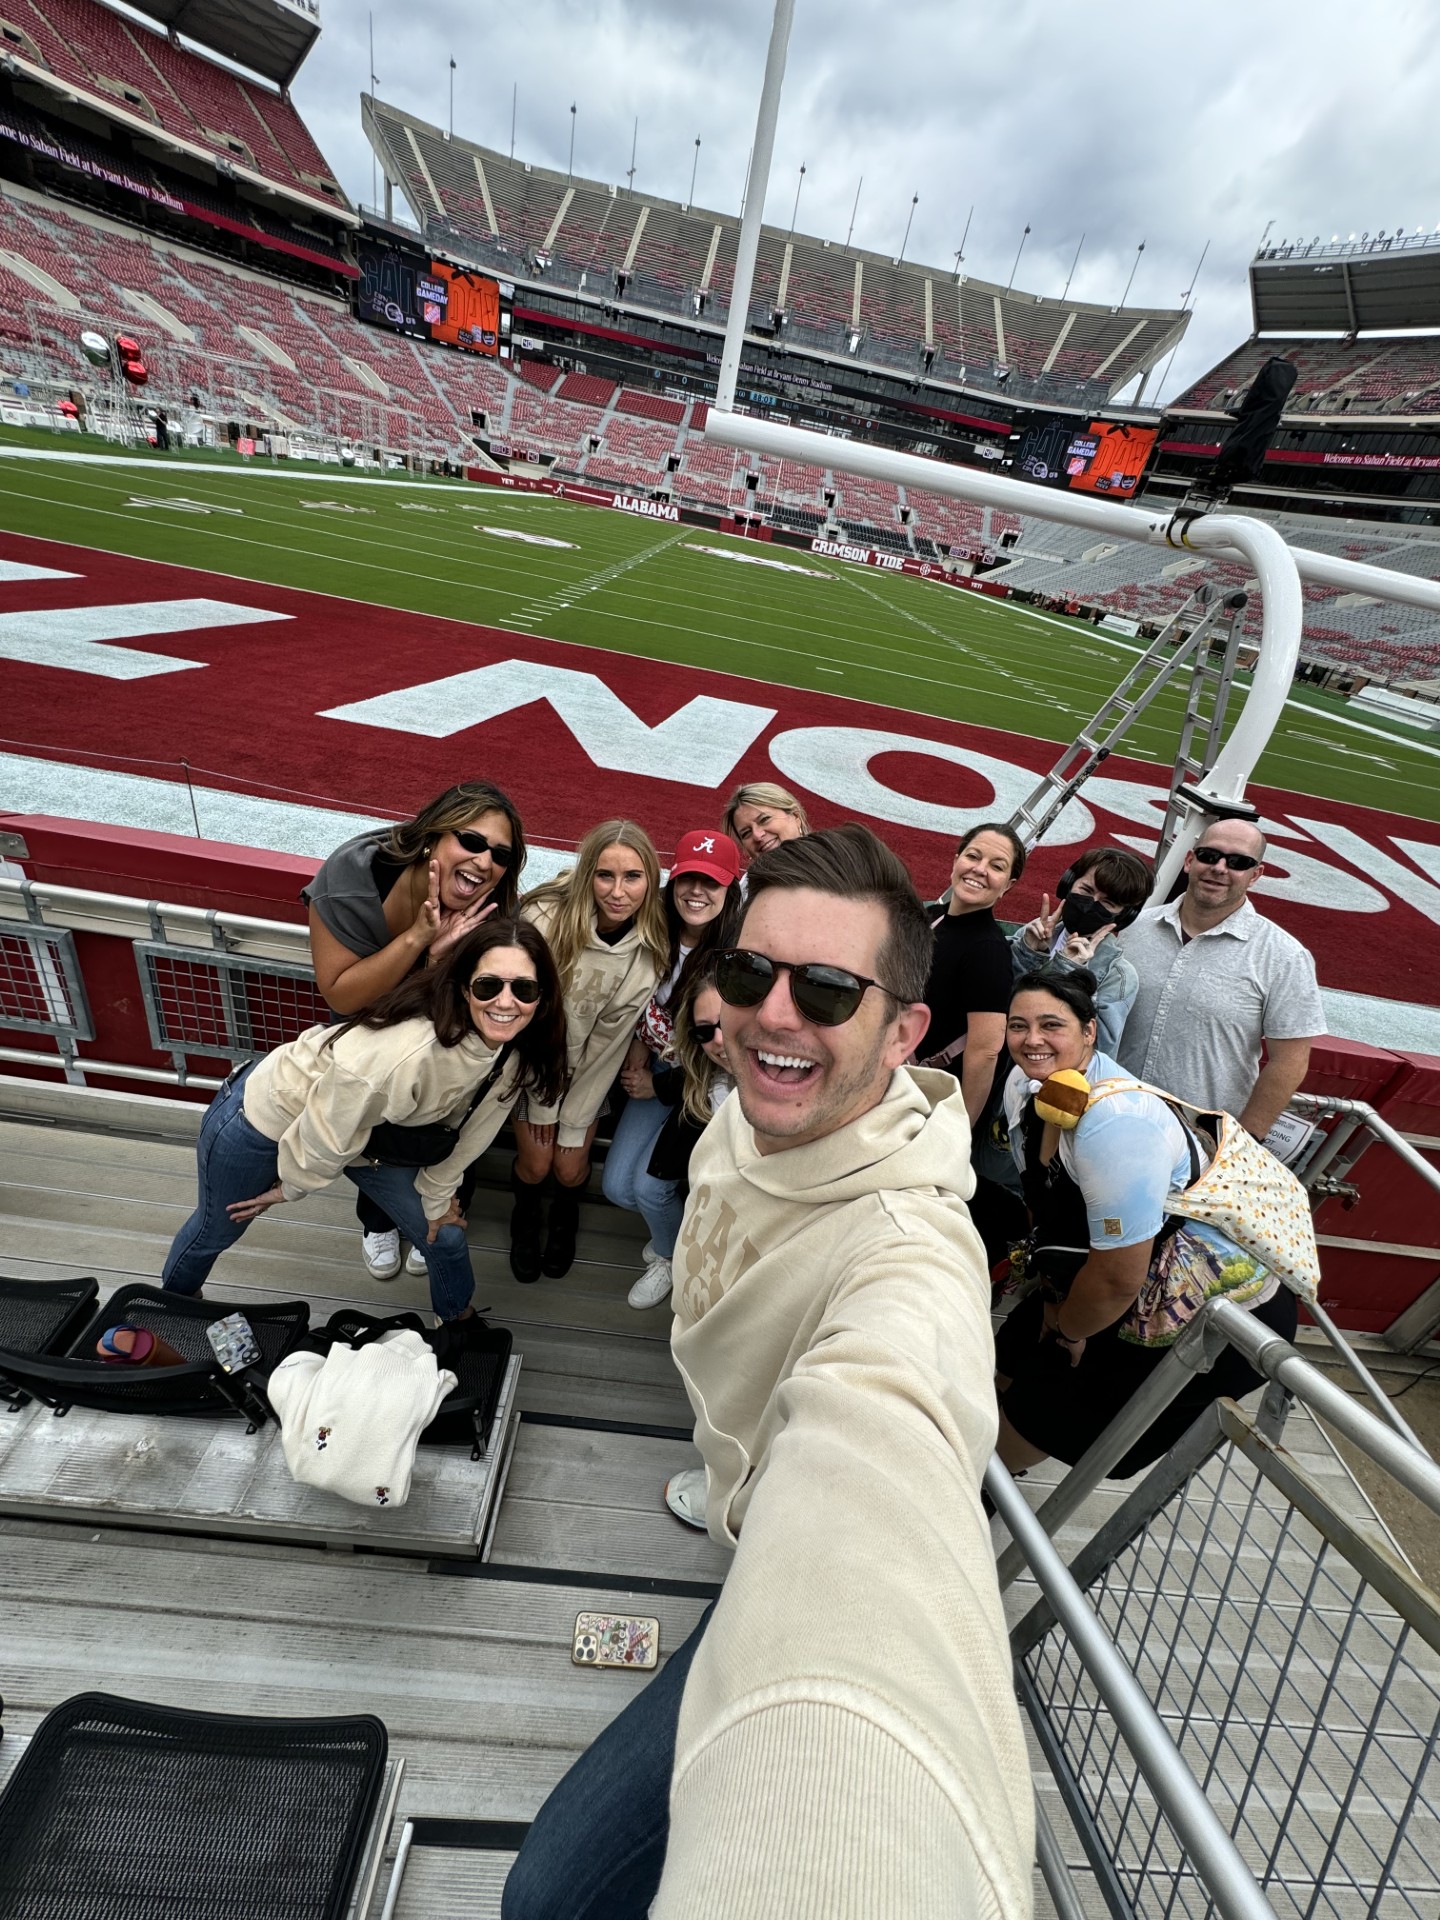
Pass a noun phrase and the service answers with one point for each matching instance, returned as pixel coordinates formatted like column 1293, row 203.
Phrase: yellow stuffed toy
column 1061, row 1100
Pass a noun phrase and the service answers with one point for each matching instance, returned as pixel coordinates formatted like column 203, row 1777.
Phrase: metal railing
column 214, row 986
column 1325, row 1172
column 1274, row 1659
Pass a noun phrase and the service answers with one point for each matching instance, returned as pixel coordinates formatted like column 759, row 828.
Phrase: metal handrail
column 1229, row 1882
column 1220, row 1322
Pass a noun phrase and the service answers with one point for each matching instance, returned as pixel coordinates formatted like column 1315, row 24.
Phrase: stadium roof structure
column 270, row 37
column 1371, row 287
column 533, row 224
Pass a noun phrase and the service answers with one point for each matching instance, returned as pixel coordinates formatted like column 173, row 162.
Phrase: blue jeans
column 597, row 1847
column 628, row 1185
column 236, row 1161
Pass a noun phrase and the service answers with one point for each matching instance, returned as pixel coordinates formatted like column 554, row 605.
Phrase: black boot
column 525, row 1228
column 559, row 1254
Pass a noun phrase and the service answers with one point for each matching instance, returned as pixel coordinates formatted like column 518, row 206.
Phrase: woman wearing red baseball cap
column 702, row 899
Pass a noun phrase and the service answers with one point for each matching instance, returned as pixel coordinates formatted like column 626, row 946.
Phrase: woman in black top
column 399, row 898
column 968, row 995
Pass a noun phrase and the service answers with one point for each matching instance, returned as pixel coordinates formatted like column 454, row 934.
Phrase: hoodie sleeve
column 604, row 1047
column 850, row 1708
column 331, row 1128
column 438, row 1185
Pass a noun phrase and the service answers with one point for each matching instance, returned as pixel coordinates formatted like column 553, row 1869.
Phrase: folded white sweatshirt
column 350, row 1420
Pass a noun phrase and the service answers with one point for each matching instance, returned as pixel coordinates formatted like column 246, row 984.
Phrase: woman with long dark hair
column 702, row 899
column 443, row 1055
column 398, row 898
column 605, row 923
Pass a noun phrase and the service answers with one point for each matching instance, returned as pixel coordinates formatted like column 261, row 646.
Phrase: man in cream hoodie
column 840, row 1737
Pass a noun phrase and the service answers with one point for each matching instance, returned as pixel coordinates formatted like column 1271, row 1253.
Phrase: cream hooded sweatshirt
column 319, row 1096
column 607, row 991
column 849, row 1742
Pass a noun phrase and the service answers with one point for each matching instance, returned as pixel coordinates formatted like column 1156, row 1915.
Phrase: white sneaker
column 685, row 1496
column 653, row 1286
column 415, row 1261
column 382, row 1254
column 648, row 1253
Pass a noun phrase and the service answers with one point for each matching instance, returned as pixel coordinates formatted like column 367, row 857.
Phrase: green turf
column 632, row 586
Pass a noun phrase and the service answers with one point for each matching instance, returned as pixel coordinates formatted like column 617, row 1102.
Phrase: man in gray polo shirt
column 1217, row 979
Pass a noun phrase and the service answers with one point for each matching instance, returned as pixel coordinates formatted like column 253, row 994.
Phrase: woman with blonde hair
column 604, row 922
column 399, row 898
column 760, row 815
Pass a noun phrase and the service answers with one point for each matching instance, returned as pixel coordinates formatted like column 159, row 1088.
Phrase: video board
column 412, row 292
column 1086, row 456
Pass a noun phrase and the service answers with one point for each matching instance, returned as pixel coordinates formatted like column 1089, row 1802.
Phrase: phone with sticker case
column 616, row 1640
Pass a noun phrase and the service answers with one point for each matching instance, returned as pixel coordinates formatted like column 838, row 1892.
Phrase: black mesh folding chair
column 119, row 1810
column 477, row 1357
column 41, row 1316
column 200, row 1386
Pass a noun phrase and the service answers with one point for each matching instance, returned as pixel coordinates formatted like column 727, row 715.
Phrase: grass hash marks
column 895, row 640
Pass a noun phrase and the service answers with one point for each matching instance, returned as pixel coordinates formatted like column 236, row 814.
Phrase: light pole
column 452, row 99
column 570, row 171
column 795, row 215
column 1073, row 264
column 514, row 102
column 1131, row 281
column 914, row 202
column 1018, row 251
column 960, row 250
column 634, row 142
column 853, row 211
column 694, row 169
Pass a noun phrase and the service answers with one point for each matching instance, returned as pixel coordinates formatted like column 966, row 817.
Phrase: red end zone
column 575, row 734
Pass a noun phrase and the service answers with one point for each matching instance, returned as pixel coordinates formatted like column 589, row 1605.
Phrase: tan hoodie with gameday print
column 608, row 989
column 849, row 1742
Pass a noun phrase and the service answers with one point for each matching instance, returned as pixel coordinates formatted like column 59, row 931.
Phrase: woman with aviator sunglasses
column 399, row 898
column 440, row 1059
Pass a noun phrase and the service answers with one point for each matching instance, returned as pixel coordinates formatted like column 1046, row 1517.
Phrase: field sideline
column 637, row 587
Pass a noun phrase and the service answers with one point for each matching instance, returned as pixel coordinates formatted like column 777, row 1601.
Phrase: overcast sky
column 1123, row 123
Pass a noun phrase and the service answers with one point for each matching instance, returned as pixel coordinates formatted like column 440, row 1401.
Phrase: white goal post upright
column 1277, row 566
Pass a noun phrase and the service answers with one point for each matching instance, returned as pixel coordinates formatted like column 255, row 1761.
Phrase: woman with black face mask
column 1100, row 895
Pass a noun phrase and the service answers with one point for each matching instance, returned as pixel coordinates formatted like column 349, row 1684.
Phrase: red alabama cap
column 713, row 854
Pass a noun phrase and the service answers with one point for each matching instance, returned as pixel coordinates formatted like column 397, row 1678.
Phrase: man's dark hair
column 1123, row 877
column 852, row 864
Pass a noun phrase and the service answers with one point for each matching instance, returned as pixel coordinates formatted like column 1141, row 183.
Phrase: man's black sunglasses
column 1236, row 862
column 704, row 1030
column 828, row 996
column 499, row 851
column 489, row 986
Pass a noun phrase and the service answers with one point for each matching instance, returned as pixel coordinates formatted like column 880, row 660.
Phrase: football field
column 531, row 564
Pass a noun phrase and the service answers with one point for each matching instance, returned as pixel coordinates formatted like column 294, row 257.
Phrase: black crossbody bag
column 393, row 1145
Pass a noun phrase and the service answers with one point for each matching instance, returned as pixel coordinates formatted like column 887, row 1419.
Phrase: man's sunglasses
column 704, row 1030
column 1236, row 862
column 498, row 850
column 828, row 996
column 489, row 986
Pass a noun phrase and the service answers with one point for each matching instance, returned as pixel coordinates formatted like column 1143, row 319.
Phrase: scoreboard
column 413, row 292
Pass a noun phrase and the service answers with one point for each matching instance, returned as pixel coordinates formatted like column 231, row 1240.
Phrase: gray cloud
column 1123, row 122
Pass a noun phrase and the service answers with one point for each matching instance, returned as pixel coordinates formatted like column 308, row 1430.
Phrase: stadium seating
column 588, row 232
column 1361, row 376
column 122, row 60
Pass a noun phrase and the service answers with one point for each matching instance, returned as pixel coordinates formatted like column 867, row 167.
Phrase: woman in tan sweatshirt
column 605, row 924
column 453, row 1045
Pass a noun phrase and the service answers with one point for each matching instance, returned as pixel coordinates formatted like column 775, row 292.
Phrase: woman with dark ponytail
column 401, row 1099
